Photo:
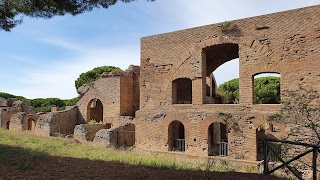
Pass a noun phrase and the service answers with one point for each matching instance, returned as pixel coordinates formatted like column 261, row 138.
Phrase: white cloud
column 57, row 80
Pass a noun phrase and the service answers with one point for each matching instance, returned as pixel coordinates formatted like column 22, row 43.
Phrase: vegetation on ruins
column 42, row 104
column 12, row 10
column 301, row 111
column 94, row 74
column 266, row 90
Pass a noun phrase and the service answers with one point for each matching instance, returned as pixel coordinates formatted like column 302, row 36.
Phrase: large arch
column 176, row 136
column 95, row 110
column 214, row 57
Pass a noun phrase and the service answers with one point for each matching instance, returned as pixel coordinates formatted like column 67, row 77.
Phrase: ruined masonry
column 170, row 103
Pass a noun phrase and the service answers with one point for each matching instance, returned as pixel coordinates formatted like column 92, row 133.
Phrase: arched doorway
column 95, row 110
column 217, row 139
column 265, row 131
column 31, row 124
column 176, row 136
column 8, row 125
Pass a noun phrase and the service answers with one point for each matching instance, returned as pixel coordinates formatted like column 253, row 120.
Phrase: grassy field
column 25, row 151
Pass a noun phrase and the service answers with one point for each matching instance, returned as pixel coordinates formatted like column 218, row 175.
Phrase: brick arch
column 197, row 48
column 206, row 123
column 87, row 102
column 264, row 68
column 176, row 117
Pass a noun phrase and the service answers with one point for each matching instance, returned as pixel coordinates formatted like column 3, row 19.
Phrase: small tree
column 301, row 112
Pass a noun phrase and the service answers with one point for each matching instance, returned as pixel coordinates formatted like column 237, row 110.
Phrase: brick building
column 179, row 110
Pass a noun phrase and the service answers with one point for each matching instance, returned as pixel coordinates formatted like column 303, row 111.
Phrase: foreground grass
column 37, row 148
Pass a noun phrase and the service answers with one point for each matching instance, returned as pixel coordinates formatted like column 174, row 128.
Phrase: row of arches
column 182, row 91
column 217, row 138
column 218, row 66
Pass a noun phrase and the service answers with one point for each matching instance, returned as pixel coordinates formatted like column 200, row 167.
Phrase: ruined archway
column 176, row 136
column 217, row 139
column 95, row 110
column 31, row 124
column 182, row 91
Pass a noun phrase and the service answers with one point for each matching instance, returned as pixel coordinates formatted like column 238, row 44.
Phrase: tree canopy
column 42, row 104
column 11, row 9
column 93, row 74
column 266, row 90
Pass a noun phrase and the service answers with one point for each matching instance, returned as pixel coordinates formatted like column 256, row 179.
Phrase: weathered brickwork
column 55, row 123
column 118, row 95
column 286, row 43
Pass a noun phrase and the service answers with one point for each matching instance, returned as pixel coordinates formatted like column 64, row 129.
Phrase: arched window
column 176, row 136
column 266, row 88
column 221, row 65
column 182, row 91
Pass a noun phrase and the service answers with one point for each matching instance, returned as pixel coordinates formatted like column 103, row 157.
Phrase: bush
column 94, row 74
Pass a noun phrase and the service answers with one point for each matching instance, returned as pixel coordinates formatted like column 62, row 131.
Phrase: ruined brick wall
column 61, row 122
column 23, row 122
column 5, row 115
column 129, row 95
column 3, row 102
column 286, row 43
column 107, row 90
column 118, row 93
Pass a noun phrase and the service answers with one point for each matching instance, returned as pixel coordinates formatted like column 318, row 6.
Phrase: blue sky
column 42, row 58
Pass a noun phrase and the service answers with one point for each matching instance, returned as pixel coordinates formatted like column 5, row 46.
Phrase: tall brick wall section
column 129, row 98
column 120, row 96
column 286, row 43
column 107, row 90
column 61, row 122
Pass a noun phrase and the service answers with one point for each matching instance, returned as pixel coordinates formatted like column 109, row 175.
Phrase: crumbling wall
column 62, row 122
column 3, row 102
column 108, row 89
column 5, row 115
column 87, row 132
column 22, row 121
column 119, row 137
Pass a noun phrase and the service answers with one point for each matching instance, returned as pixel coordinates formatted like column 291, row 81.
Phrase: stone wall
column 286, row 43
column 118, row 137
column 23, row 122
column 3, row 102
column 87, row 132
column 5, row 115
column 61, row 122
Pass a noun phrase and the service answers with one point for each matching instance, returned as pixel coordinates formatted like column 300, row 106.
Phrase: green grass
column 36, row 148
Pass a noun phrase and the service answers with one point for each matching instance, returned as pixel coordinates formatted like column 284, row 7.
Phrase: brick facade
column 286, row 43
